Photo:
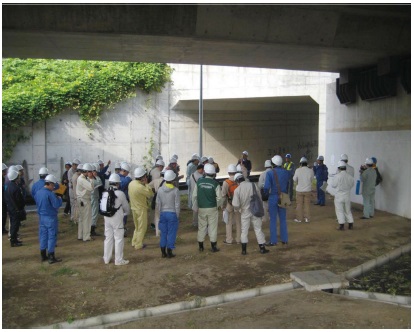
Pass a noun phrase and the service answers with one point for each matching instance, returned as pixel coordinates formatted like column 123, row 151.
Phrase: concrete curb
column 198, row 302
column 393, row 299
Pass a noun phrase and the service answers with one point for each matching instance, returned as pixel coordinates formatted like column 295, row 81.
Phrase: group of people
column 158, row 188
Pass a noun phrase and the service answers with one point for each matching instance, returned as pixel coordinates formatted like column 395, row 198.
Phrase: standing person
column 245, row 163
column 173, row 165
column 368, row 179
column 114, row 226
column 343, row 183
column 75, row 208
column 321, row 173
column 125, row 181
column 72, row 191
column 22, row 182
column 212, row 162
column 375, row 167
column 193, row 184
column 277, row 181
column 168, row 204
column 65, row 181
column 97, row 185
column 48, row 204
column 191, row 168
column 155, row 172
column 117, row 167
column 15, row 206
column 155, row 185
column 303, row 177
column 3, row 184
column 234, row 217
column 260, row 184
column 241, row 201
column 43, row 172
column 206, row 199
column 290, row 166
column 103, row 173
column 84, row 190
column 349, row 169
column 139, row 193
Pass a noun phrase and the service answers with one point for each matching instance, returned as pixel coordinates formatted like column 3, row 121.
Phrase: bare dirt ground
column 37, row 294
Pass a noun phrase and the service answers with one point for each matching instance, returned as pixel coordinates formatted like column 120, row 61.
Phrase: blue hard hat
column 374, row 160
column 288, row 156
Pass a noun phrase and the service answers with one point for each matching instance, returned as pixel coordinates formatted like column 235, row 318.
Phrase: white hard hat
column 277, row 160
column 369, row 161
column 210, row 160
column 268, row 163
column 238, row 176
column 97, row 166
column 125, row 167
column 320, row 158
column 203, row 159
column 209, row 169
column 303, row 160
column 344, row 156
column 195, row 156
column 341, row 163
column 68, row 163
column 19, row 167
column 160, row 163
column 76, row 161
column 51, row 178
column 158, row 157
column 4, row 166
column 93, row 165
column 43, row 171
column 245, row 152
column 87, row 167
column 13, row 168
column 238, row 168
column 175, row 156
column 80, row 167
column 173, row 161
column 114, row 178
column 139, row 172
column 169, row 175
column 231, row 168
column 12, row 175
column 100, row 161
column 117, row 165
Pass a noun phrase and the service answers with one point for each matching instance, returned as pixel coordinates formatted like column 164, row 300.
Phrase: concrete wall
column 380, row 129
column 138, row 129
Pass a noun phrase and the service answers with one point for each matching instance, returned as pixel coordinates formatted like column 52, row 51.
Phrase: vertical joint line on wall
column 45, row 145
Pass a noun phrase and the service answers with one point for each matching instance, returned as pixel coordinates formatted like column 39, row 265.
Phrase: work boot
column 341, row 227
column 43, row 254
column 164, row 254
column 214, row 247
column 53, row 259
column 201, row 246
column 263, row 249
column 244, row 248
column 351, row 226
column 93, row 231
column 170, row 253
column 16, row 244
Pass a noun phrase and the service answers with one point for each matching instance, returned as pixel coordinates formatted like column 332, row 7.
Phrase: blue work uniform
column 321, row 174
column 125, row 180
column 48, row 205
column 37, row 186
column 274, row 210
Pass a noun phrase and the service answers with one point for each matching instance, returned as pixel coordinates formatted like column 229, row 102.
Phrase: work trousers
column 85, row 220
column 290, row 188
column 234, row 219
column 246, row 219
column 275, row 211
column 74, row 213
column 303, row 205
column 266, row 217
column 168, row 228
column 369, row 204
column 343, row 209
column 114, row 234
column 4, row 215
column 48, row 233
column 207, row 219
column 321, row 193
column 95, row 209
column 141, row 224
column 14, row 227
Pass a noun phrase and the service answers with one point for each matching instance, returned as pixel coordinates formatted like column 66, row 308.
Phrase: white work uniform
column 260, row 184
column 241, row 201
column 343, row 183
column 114, row 228
column 84, row 189
column 155, row 184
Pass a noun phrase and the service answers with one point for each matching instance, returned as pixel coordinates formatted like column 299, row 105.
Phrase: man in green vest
column 290, row 166
column 206, row 199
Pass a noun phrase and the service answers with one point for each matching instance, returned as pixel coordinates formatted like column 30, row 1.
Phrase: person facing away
column 321, row 173
column 303, row 177
column 193, row 184
column 168, row 204
column 48, row 204
column 241, row 201
column 114, row 226
column 65, row 181
column 343, row 183
column 368, row 179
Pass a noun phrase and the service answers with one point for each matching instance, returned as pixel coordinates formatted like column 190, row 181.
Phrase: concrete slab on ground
column 319, row 280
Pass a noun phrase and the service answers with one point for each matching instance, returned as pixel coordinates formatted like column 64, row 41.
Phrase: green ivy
column 37, row 89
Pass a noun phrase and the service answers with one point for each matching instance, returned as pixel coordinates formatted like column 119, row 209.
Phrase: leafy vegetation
column 38, row 89
column 393, row 278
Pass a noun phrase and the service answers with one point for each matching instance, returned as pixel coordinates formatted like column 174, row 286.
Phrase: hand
column 109, row 162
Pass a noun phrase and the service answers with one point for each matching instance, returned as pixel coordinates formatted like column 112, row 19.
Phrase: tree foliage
column 37, row 89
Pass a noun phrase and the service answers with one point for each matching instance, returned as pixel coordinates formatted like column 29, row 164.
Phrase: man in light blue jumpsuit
column 43, row 172
column 274, row 210
column 48, row 205
column 321, row 175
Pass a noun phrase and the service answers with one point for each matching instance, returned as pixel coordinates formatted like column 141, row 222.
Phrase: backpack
column 107, row 206
column 256, row 204
column 379, row 177
column 232, row 187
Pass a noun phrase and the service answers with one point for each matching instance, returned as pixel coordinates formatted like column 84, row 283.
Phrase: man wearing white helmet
column 15, row 206
column 125, row 181
column 191, row 168
column 155, row 173
column 72, row 190
column 103, row 174
column 84, row 190
column 74, row 216
column 234, row 217
column 303, row 178
column 368, row 179
column 241, row 202
column 321, row 174
column 206, row 200
column 212, row 162
column 173, row 165
column 349, row 169
column 98, row 186
column 43, row 172
column 65, row 181
column 22, row 182
column 277, row 181
column 114, row 226
column 155, row 215
column 246, row 164
column 117, row 167
column 139, row 192
column 193, row 184
column 260, row 184
column 168, row 204
column 48, row 205
column 4, row 173
column 343, row 183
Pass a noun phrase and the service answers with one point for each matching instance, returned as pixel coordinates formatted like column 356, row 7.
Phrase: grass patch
column 64, row 271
